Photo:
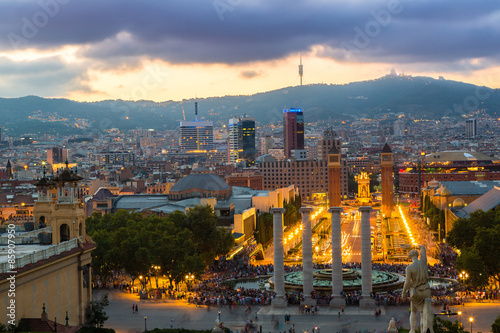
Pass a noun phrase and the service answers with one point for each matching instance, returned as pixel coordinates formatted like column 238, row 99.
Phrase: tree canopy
column 178, row 244
column 477, row 238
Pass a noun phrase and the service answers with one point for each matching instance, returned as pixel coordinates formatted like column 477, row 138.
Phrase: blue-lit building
column 293, row 130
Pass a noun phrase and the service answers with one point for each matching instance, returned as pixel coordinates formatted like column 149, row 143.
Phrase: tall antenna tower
column 301, row 70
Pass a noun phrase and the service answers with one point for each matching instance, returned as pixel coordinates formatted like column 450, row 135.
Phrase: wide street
column 159, row 314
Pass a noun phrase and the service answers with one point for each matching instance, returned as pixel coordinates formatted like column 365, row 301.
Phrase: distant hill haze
column 419, row 97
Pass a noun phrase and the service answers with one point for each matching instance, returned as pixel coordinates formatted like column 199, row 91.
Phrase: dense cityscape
column 173, row 165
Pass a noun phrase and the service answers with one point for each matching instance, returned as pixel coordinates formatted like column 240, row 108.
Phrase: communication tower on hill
column 301, row 70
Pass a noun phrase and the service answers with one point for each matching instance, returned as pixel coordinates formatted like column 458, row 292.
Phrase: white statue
column 420, row 292
column 392, row 326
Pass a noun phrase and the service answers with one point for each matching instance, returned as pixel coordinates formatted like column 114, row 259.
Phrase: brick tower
column 334, row 177
column 386, row 164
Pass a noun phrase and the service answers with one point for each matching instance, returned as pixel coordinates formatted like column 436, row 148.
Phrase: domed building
column 459, row 203
column 456, row 197
column 200, row 185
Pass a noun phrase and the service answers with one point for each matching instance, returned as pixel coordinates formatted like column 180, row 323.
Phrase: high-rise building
column 266, row 143
column 241, row 140
column 399, row 127
column 57, row 155
column 471, row 127
column 293, row 130
column 247, row 139
column 233, row 143
column 196, row 135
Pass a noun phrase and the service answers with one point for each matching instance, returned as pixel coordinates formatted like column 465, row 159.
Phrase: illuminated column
column 337, row 285
column 386, row 166
column 307, row 255
column 366, row 258
column 279, row 265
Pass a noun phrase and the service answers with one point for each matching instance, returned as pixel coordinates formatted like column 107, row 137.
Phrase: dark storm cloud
column 45, row 77
column 236, row 31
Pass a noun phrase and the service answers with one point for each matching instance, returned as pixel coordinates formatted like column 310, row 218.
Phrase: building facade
column 471, row 128
column 241, row 140
column 293, row 130
column 54, row 271
column 196, row 136
column 310, row 176
column 115, row 158
column 446, row 166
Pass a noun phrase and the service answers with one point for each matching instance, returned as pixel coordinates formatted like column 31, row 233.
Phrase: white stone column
column 307, row 255
column 279, row 265
column 337, row 285
column 366, row 258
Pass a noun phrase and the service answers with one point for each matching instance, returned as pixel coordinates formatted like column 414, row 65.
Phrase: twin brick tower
column 335, row 197
column 334, row 178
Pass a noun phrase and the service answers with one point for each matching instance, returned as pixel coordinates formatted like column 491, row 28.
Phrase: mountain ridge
column 420, row 97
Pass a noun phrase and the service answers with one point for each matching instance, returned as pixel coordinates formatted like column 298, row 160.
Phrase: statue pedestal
column 337, row 302
column 366, row 303
column 279, row 303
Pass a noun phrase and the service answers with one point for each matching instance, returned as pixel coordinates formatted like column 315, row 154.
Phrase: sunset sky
column 91, row 50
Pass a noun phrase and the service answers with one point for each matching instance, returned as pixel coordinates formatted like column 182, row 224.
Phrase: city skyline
column 171, row 51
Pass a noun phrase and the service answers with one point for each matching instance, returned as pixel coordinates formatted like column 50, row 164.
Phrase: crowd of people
column 216, row 289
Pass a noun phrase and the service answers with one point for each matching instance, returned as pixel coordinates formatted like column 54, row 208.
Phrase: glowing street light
column 471, row 320
column 189, row 278
column 463, row 276
column 407, row 227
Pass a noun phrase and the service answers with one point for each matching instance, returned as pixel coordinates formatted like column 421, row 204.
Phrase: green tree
column 94, row 312
column 464, row 229
column 352, row 184
column 374, row 182
column 477, row 238
column 178, row 243
column 264, row 227
column 446, row 326
column 203, row 224
column 291, row 215
column 495, row 327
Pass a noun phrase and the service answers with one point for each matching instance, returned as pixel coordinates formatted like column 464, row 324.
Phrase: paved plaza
column 160, row 313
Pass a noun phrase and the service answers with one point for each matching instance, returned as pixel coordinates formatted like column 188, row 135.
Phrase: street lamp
column 463, row 276
column 189, row 278
column 219, row 317
column 145, row 327
column 156, row 269
column 471, row 320
column 460, row 317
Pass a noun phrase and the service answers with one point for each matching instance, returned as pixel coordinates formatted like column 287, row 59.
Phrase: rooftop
column 205, row 181
column 456, row 156
column 469, row 188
